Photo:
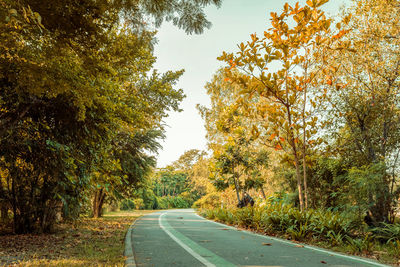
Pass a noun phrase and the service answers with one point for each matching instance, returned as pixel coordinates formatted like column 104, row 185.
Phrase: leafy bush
column 360, row 245
column 172, row 202
column 131, row 204
column 285, row 219
column 387, row 232
column 208, row 201
column 127, row 204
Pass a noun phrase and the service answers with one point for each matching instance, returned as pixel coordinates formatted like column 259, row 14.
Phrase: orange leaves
column 272, row 136
column 286, row 7
column 232, row 64
column 254, row 37
column 316, row 3
column 281, row 139
column 328, row 79
column 278, row 147
column 340, row 34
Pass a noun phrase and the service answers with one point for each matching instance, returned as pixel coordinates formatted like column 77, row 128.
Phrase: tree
column 188, row 159
column 73, row 77
column 230, row 131
column 362, row 97
column 290, row 44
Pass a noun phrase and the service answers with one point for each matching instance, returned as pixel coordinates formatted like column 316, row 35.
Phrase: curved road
column 182, row 238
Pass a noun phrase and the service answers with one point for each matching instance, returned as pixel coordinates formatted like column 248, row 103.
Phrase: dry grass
column 89, row 242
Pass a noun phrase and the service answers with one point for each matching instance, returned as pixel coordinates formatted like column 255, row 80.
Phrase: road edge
column 357, row 258
column 128, row 252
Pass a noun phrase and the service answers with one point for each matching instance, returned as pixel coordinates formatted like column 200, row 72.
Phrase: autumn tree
column 230, row 132
column 279, row 69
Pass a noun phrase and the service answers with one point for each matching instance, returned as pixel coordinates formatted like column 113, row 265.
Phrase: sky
column 232, row 23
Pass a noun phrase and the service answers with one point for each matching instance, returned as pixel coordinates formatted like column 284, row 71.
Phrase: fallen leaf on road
column 180, row 217
column 224, row 229
column 266, row 244
column 324, row 262
column 299, row 246
column 205, row 241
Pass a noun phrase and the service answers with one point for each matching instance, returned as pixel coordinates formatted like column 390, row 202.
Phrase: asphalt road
column 182, row 238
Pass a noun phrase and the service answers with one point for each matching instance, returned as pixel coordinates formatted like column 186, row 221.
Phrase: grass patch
column 87, row 242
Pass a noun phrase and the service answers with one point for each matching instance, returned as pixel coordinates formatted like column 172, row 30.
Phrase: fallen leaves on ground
column 89, row 242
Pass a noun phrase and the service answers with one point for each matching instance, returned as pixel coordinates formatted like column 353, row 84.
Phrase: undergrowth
column 340, row 231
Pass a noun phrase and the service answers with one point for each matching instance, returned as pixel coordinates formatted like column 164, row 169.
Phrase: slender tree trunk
column 305, row 183
column 298, row 176
column 304, row 143
column 3, row 213
column 262, row 192
column 98, row 202
column 3, row 206
column 236, row 184
column 296, row 159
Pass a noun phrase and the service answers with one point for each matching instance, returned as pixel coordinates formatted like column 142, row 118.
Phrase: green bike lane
column 182, row 238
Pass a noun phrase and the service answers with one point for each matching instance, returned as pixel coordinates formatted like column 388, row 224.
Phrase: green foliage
column 394, row 249
column 127, row 204
column 80, row 105
column 387, row 232
column 367, row 190
column 359, row 245
column 327, row 178
column 284, row 219
column 172, row 202
column 208, row 201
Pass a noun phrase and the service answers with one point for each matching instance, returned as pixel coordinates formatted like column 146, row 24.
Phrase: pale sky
column 233, row 23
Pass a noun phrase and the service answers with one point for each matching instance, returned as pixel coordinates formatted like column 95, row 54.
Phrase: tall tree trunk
column 98, row 202
column 305, row 149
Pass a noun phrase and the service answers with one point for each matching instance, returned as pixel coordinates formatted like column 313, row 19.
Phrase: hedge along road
column 182, row 238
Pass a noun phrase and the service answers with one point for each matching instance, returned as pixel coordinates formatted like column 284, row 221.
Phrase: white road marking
column 305, row 246
column 183, row 245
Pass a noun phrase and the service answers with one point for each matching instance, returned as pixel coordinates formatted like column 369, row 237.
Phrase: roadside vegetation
column 85, row 242
column 338, row 231
column 304, row 118
column 81, row 105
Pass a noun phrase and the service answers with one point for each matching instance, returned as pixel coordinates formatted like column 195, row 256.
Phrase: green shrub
column 299, row 232
column 360, row 245
column 387, row 232
column 127, row 204
column 394, row 248
column 208, row 201
column 329, row 224
column 285, row 219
